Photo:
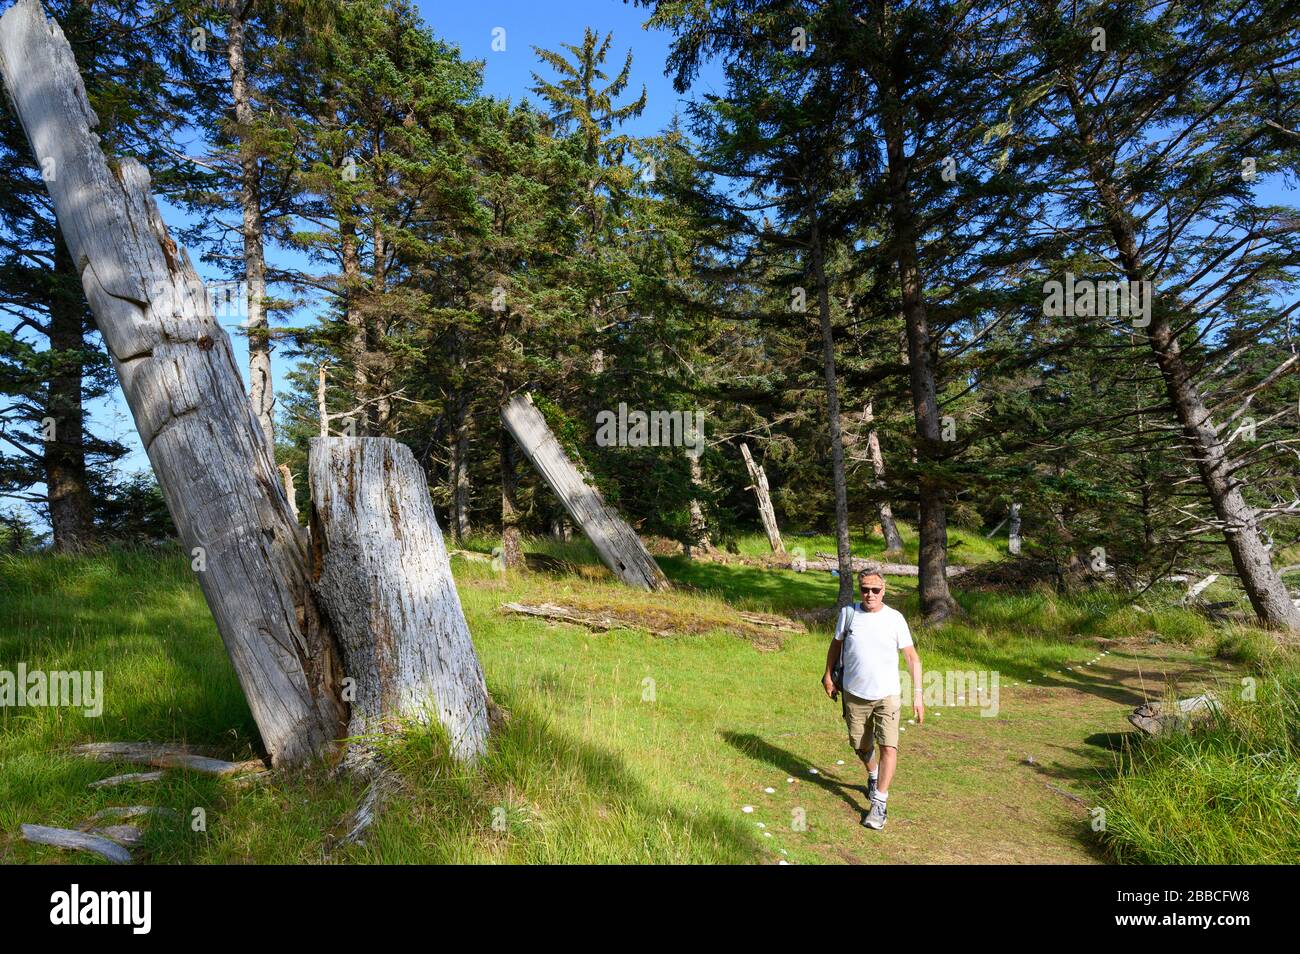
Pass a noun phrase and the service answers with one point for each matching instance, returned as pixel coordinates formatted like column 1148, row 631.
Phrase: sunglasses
column 873, row 589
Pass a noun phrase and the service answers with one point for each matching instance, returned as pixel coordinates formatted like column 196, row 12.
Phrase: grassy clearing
column 622, row 747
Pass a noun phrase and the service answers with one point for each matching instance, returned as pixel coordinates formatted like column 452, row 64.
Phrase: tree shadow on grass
column 139, row 618
column 544, row 796
column 796, row 766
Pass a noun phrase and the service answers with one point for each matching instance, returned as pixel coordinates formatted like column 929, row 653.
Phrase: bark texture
column 382, row 572
column 615, row 541
column 180, row 379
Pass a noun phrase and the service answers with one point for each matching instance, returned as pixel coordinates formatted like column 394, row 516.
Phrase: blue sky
column 547, row 25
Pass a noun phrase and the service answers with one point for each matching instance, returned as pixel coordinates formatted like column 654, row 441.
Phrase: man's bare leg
column 888, row 762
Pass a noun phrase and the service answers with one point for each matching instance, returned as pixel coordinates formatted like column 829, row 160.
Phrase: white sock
column 873, row 774
column 882, row 796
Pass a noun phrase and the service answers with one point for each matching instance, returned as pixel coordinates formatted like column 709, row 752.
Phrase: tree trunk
column 758, row 480
column 512, row 550
column 290, row 494
column 936, row 602
column 888, row 528
column 458, row 468
column 358, row 348
column 616, row 542
column 382, row 572
column 1013, row 531
column 378, row 367
column 261, row 391
column 1241, row 530
column 699, row 528
column 71, row 507
column 180, row 379
column 843, row 548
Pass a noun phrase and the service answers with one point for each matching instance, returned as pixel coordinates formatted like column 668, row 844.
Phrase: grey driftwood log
column 77, row 841
column 616, row 542
column 179, row 376
column 165, row 757
column 383, row 575
column 758, row 480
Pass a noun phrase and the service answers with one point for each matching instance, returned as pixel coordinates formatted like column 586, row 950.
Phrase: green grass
column 1228, row 794
column 622, row 747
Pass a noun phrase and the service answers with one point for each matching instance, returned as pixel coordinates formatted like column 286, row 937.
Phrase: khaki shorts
column 870, row 719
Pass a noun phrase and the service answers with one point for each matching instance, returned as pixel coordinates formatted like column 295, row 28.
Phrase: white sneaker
column 877, row 816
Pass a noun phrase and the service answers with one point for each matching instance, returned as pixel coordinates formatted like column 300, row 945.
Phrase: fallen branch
column 1070, row 795
column 77, row 841
column 126, row 812
column 561, row 614
column 131, row 778
column 163, row 756
column 1197, row 589
column 775, row 622
column 765, row 630
column 829, row 561
column 125, row 835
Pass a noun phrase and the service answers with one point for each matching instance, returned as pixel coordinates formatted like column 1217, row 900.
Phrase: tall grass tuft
column 1228, row 793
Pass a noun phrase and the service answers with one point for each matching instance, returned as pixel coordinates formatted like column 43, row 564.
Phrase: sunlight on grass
column 622, row 747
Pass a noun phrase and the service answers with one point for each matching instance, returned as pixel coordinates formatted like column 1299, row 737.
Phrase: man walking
column 868, row 638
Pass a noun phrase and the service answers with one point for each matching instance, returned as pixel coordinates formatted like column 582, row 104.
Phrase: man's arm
column 914, row 670
column 832, row 657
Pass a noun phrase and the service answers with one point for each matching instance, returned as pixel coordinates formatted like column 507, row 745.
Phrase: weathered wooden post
column 382, row 573
column 888, row 528
column 758, row 476
column 616, row 542
column 1013, row 531
column 180, row 379
column 382, row 569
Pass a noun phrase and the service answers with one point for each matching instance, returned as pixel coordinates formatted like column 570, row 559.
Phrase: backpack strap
column 838, row 675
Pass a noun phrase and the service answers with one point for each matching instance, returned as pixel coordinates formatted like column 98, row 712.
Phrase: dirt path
column 1015, row 788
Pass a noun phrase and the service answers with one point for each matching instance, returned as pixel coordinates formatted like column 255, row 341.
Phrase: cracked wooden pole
column 179, row 376
column 382, row 572
column 1013, row 531
column 765, row 510
column 616, row 542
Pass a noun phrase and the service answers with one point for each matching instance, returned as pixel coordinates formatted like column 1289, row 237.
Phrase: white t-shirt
column 870, row 653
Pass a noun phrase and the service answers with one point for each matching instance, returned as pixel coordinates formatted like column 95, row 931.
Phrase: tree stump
column 617, row 543
column 382, row 573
